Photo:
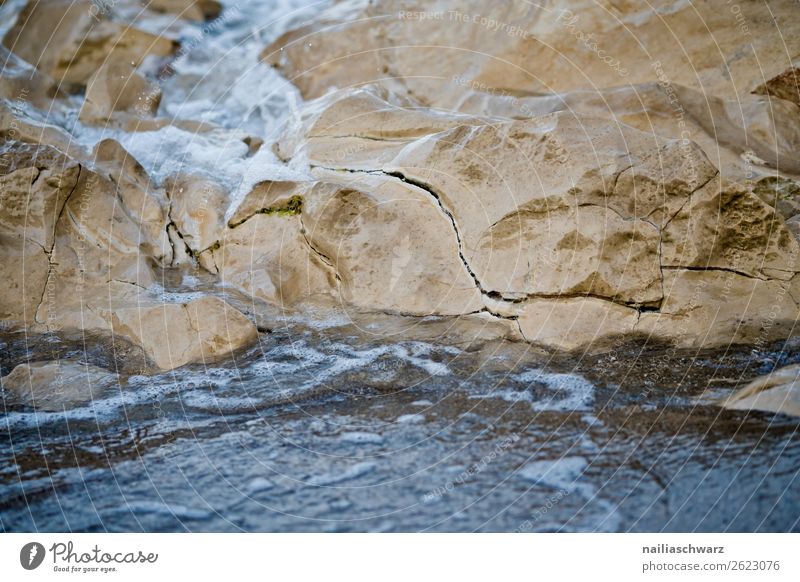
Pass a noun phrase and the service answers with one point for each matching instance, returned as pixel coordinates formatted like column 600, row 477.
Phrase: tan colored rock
column 35, row 183
column 557, row 212
column 97, row 242
column 146, row 204
column 784, row 86
column 571, row 324
column 187, row 9
column 714, row 308
column 68, row 41
column 23, row 268
column 525, row 48
column 585, row 250
column 269, row 197
column 20, row 81
column 522, row 60
column 777, row 392
column 197, row 209
column 391, row 245
column 780, row 193
column 117, row 87
column 723, row 226
column 15, row 126
column 59, row 385
column 268, row 258
column 174, row 334
column 70, row 234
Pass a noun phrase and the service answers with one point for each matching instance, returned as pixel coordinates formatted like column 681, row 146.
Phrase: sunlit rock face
column 579, row 228
column 776, row 392
column 563, row 172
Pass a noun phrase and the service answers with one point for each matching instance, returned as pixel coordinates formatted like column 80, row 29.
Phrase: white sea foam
column 361, row 438
column 562, row 473
column 573, row 392
column 353, row 472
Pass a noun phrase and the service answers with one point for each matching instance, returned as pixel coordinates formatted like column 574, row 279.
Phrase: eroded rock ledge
column 654, row 206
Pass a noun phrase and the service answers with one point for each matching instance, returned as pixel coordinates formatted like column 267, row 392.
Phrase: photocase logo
column 31, row 555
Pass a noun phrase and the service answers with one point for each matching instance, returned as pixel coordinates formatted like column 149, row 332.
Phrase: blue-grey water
column 327, row 430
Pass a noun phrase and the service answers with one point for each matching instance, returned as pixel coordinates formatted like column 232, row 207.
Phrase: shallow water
column 326, row 430
column 329, row 428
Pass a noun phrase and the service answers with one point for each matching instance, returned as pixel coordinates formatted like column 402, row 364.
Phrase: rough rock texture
column 58, row 385
column 681, row 69
column 776, row 392
column 426, row 49
column 20, row 81
column 117, row 88
column 80, row 248
column 35, row 184
column 188, row 9
column 197, row 207
column 65, row 39
column 174, row 334
column 784, row 86
column 269, row 258
column 580, row 228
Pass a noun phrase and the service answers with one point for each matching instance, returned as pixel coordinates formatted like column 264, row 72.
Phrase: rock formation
column 775, row 392
column 53, row 386
column 566, row 172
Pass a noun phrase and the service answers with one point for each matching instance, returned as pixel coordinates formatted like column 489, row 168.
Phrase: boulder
column 197, row 211
column 66, row 40
column 522, row 60
column 433, row 51
column 777, row 392
column 188, row 9
column 146, row 204
column 35, row 184
column 59, row 385
column 784, row 86
column 21, row 82
column 171, row 335
column 269, row 258
column 117, row 88
column 392, row 246
column 579, row 228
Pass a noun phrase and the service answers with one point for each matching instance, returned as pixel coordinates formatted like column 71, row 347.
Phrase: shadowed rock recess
column 480, row 162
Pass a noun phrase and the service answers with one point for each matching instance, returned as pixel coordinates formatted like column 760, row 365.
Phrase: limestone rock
column 197, row 208
column 517, row 49
column 784, row 86
column 70, row 232
column 146, row 204
column 20, row 81
column 67, row 41
column 713, row 308
column 391, row 245
column 174, row 334
column 270, row 197
column 724, row 226
column 269, row 258
column 116, row 87
column 776, row 392
column 35, row 184
column 571, row 324
column 595, row 220
column 188, row 9
column 523, row 60
column 59, row 385
column 15, row 126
